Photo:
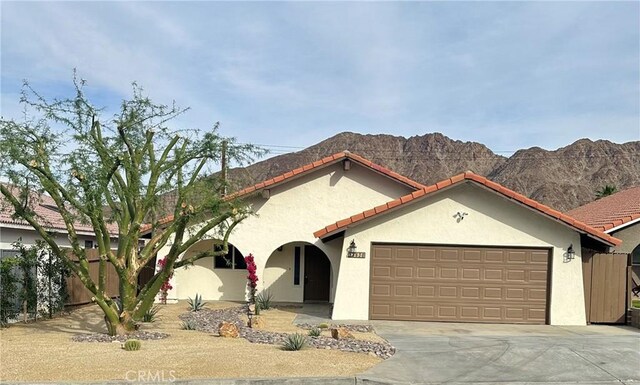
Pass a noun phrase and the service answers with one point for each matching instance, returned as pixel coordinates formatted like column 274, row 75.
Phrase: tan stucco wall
column 293, row 212
column 630, row 237
column 491, row 221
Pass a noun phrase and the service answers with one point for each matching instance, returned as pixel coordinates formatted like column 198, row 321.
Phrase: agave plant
column 294, row 342
column 196, row 304
column 188, row 325
column 264, row 300
column 315, row 332
column 151, row 315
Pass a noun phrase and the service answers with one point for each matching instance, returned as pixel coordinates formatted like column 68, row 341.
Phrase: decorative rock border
column 208, row 320
column 102, row 337
column 351, row 328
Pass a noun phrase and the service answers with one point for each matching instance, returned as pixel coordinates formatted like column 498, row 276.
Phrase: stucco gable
column 289, row 176
column 323, row 163
column 467, row 177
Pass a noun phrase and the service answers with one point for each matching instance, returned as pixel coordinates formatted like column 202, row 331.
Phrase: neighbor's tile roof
column 611, row 211
column 467, row 176
column 45, row 208
column 324, row 162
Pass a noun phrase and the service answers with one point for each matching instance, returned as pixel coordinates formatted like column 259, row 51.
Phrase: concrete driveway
column 448, row 353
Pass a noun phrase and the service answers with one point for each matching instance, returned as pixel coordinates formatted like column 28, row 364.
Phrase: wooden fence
column 606, row 278
column 79, row 294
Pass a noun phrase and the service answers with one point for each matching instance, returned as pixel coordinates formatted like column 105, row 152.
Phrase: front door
column 317, row 274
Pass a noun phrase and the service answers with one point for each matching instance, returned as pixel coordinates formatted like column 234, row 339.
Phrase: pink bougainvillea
column 166, row 285
column 252, row 277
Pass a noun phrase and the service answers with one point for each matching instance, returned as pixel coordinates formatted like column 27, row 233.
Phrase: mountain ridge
column 564, row 178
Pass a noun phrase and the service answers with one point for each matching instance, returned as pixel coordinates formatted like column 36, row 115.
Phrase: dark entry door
column 317, row 274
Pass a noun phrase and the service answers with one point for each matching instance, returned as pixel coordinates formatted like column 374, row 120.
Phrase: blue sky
column 507, row 74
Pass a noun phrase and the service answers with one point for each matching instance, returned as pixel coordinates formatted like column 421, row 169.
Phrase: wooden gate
column 605, row 279
column 79, row 294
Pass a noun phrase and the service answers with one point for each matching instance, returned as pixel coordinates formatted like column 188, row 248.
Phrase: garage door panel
column 403, row 254
column 433, row 283
column 518, row 257
column 448, row 255
column 403, row 290
column 448, row 272
column 471, row 256
column 426, row 254
column 426, row 291
column 471, row 273
column 403, row 271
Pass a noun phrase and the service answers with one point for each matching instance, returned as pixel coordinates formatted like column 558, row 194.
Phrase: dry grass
column 43, row 351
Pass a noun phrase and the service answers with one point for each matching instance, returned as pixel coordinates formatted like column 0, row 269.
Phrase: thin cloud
column 507, row 74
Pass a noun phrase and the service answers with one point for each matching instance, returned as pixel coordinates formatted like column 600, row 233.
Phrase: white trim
column 622, row 226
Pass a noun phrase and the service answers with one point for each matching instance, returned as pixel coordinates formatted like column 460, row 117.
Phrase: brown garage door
column 462, row 284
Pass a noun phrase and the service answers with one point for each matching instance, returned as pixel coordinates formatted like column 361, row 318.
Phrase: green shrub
column 188, row 325
column 257, row 309
column 635, row 303
column 315, row 332
column 294, row 342
column 151, row 315
column 196, row 304
column 264, row 300
column 130, row 345
column 323, row 325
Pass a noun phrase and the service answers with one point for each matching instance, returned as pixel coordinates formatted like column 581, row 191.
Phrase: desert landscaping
column 184, row 354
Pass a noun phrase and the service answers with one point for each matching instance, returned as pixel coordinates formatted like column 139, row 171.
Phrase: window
column 296, row 266
column 232, row 260
column 88, row 244
column 8, row 253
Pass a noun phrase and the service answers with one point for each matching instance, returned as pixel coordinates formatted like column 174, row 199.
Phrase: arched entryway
column 298, row 272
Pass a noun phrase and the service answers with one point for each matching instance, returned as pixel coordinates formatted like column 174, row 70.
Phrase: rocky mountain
column 563, row 179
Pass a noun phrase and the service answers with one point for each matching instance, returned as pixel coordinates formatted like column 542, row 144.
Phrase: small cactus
column 315, row 332
column 323, row 325
column 130, row 345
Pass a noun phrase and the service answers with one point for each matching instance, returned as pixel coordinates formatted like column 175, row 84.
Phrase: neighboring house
column 380, row 246
column 45, row 208
column 12, row 230
column 617, row 215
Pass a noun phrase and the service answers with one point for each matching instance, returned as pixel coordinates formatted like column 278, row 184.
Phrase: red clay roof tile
column 611, row 211
column 469, row 176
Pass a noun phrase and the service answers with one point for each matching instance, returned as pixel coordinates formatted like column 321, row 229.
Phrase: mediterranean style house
column 378, row 245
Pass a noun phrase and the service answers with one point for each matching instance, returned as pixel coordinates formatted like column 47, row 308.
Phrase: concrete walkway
column 439, row 353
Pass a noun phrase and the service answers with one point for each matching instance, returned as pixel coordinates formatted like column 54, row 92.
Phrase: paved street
column 435, row 353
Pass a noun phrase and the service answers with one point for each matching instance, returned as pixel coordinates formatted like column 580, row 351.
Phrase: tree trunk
column 120, row 327
column 121, row 321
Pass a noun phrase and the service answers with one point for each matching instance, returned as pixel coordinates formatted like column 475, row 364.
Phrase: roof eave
column 622, row 226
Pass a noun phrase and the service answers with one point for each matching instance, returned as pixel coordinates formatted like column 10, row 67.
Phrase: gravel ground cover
column 45, row 352
column 207, row 320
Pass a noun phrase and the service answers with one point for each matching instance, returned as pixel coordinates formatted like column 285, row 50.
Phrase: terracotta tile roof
column 611, row 211
column 460, row 178
column 329, row 160
column 303, row 170
column 45, row 208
